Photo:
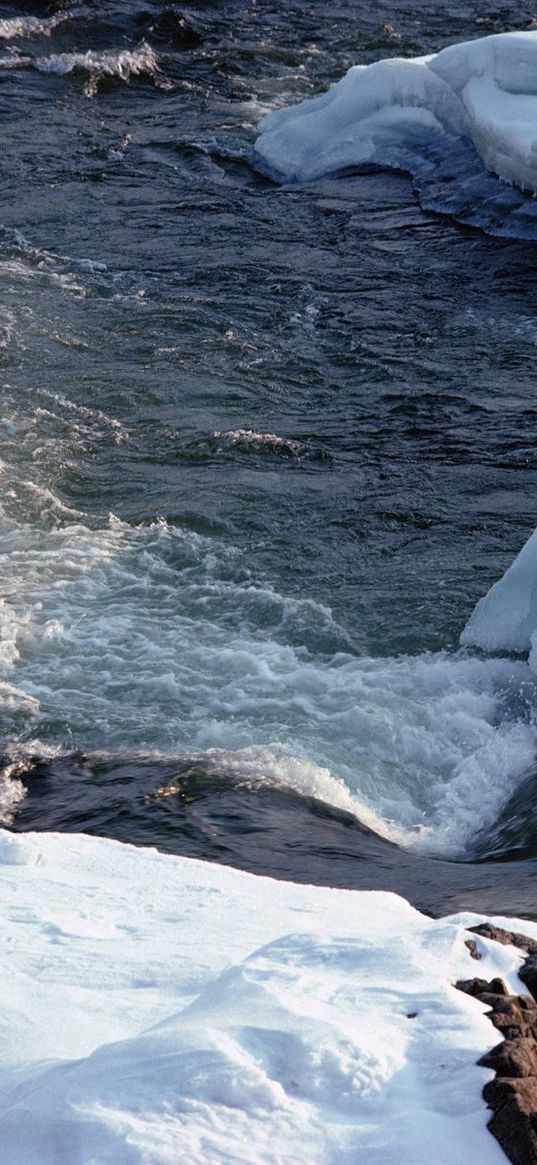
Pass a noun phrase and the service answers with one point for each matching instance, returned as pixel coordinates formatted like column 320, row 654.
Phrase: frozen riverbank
column 154, row 1003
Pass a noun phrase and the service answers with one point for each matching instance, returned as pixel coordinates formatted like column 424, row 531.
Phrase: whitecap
column 123, row 63
column 29, row 26
column 146, row 644
column 251, row 440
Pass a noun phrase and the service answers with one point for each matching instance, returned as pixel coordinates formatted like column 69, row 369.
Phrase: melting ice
column 505, row 619
column 414, row 114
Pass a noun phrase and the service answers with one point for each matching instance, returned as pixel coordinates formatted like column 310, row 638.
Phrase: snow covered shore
column 484, row 90
column 158, row 1009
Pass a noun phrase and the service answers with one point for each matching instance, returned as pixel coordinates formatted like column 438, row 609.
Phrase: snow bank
column 485, row 90
column 158, row 1009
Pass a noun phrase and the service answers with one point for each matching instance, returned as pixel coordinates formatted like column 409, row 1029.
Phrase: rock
column 506, row 937
column 498, row 1002
column 472, row 986
column 528, row 974
column 483, row 988
column 497, row 987
column 514, row 1057
column 512, row 1095
column 516, row 1018
column 514, row 1123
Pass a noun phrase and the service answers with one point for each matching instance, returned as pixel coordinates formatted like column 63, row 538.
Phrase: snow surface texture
column 485, row 90
column 158, row 1009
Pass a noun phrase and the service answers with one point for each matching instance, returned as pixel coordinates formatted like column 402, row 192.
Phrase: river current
column 262, row 448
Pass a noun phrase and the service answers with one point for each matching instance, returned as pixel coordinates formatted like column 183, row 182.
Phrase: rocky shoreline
column 512, row 1095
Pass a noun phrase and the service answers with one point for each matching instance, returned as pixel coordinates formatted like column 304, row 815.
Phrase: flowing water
column 262, row 448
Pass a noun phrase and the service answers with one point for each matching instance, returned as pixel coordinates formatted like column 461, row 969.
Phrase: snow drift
column 158, row 1009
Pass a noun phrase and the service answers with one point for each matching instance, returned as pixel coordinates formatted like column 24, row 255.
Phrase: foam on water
column 22, row 262
column 258, row 765
column 155, row 639
column 123, row 63
column 118, row 64
column 14, row 27
column 152, row 638
column 269, row 442
column 12, row 793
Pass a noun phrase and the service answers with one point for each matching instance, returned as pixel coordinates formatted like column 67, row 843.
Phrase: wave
column 125, row 63
column 21, row 259
column 154, row 638
column 12, row 789
column 15, row 27
column 252, row 442
column 446, row 119
column 110, row 64
column 151, row 638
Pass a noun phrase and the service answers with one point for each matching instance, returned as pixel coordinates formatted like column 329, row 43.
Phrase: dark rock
column 472, row 986
column 497, row 987
column 527, row 1005
column 506, row 937
column 472, row 947
column 516, row 1057
column 495, row 1001
column 511, row 1031
column 515, row 1019
column 528, row 974
column 512, row 1095
column 483, row 989
column 514, row 1123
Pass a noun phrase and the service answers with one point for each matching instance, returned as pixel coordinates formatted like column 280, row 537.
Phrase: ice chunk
column 505, row 619
column 348, row 125
column 485, row 90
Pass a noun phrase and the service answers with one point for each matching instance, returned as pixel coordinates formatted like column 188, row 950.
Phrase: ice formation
column 485, row 90
column 158, row 1009
column 505, row 619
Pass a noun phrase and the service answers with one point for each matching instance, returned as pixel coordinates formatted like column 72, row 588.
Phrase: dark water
column 263, row 447
column 181, row 808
